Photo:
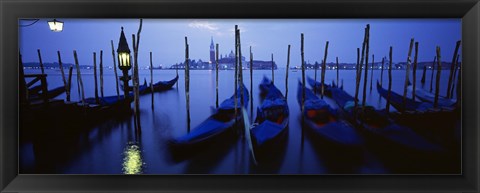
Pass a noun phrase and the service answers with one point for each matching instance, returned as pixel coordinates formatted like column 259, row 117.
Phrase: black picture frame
column 11, row 11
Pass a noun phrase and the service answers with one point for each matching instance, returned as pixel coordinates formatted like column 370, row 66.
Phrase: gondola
column 419, row 116
column 425, row 96
column 218, row 128
column 379, row 128
column 397, row 101
column 322, row 122
column 36, row 94
column 142, row 89
column 317, row 85
column 106, row 108
column 269, row 130
column 164, row 85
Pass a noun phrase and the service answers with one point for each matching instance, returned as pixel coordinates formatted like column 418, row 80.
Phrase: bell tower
column 212, row 52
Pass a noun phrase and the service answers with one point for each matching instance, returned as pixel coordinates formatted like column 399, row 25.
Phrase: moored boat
column 396, row 100
column 323, row 123
column 271, row 124
column 218, row 128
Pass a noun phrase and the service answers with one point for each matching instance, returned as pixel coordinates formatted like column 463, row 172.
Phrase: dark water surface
column 113, row 148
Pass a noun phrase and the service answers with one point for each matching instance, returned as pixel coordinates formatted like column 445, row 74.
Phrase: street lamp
column 123, row 52
column 55, row 25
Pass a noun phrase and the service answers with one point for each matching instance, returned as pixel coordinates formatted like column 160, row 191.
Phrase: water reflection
column 132, row 160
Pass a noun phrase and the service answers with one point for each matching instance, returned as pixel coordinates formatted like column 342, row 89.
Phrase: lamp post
column 124, row 65
column 55, row 25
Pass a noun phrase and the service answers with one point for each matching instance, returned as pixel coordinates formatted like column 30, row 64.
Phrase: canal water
column 113, row 148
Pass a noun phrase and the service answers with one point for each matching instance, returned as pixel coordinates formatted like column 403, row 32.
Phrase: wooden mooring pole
column 303, row 88
column 273, row 71
column 433, row 70
column 454, row 76
column 40, row 60
column 79, row 78
column 359, row 70
column 381, row 71
column 251, row 84
column 357, row 78
column 452, row 66
column 115, row 70
column 216, row 76
column 240, row 68
column 371, row 74
column 101, row 74
column 367, row 49
column 324, row 69
column 437, row 82
column 303, row 74
column 414, row 76
column 286, row 72
column 235, row 79
column 97, row 101
column 70, row 72
column 67, row 91
column 424, row 73
column 389, row 80
column 315, row 67
column 187, row 83
column 43, row 79
column 151, row 78
column 337, row 68
column 407, row 73
column 136, row 45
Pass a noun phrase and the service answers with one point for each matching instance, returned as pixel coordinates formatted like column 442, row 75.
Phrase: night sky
column 165, row 38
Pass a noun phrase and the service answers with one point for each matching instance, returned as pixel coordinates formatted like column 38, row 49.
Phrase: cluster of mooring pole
column 359, row 67
column 97, row 99
column 367, row 49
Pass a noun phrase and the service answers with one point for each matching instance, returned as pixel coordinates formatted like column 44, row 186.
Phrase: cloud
column 204, row 25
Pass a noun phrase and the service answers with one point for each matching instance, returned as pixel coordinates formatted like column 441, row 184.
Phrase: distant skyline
column 165, row 39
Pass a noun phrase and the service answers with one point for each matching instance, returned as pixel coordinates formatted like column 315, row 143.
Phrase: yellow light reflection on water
column 132, row 162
